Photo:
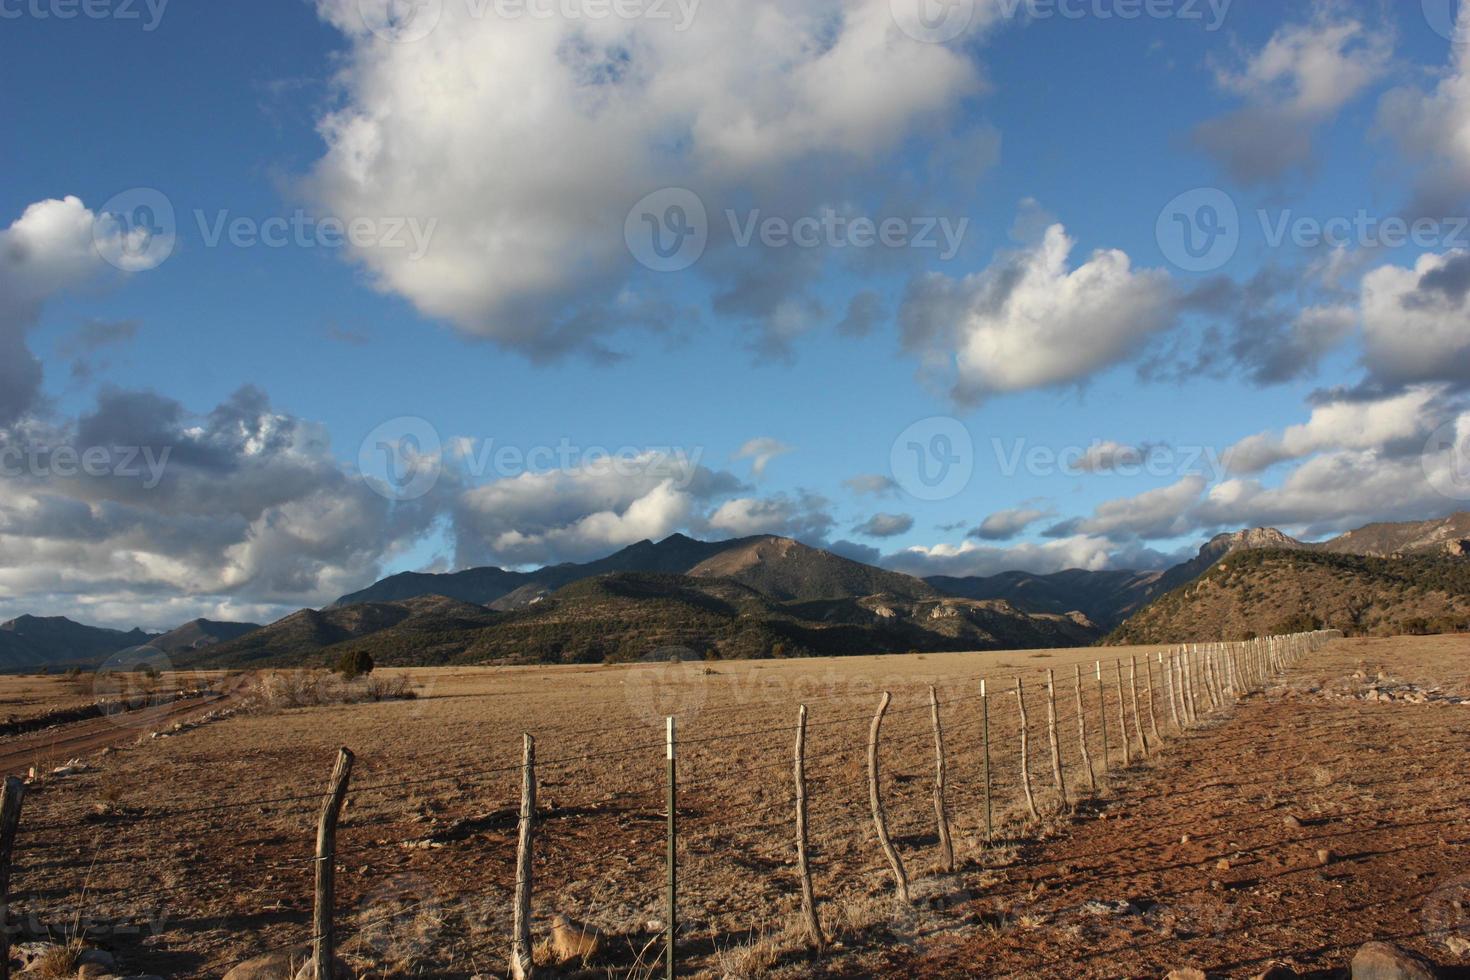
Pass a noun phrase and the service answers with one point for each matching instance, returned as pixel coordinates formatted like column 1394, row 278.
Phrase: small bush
column 355, row 663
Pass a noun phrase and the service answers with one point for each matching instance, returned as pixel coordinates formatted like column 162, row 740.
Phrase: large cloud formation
column 529, row 138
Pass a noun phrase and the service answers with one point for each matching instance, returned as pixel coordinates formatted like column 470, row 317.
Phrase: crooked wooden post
column 522, row 963
column 1123, row 716
column 1053, row 736
column 324, row 951
column 985, row 737
column 875, row 796
column 1153, row 717
column 941, row 811
column 803, row 866
column 1102, row 707
column 1082, row 732
column 1026, row 753
column 1133, row 695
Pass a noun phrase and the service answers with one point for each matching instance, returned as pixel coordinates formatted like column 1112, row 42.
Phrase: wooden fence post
column 880, row 819
column 1123, row 716
column 1026, row 753
column 808, row 894
column 1153, row 717
column 10, row 803
column 1054, row 737
column 985, row 737
column 1082, row 732
column 672, row 858
column 941, row 812
column 1102, row 707
column 1166, row 667
column 324, row 951
column 1133, row 696
column 522, row 964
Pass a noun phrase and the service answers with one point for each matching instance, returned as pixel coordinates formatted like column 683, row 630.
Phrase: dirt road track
column 55, row 746
column 1197, row 864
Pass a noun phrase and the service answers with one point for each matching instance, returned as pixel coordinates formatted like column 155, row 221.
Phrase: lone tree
column 355, row 663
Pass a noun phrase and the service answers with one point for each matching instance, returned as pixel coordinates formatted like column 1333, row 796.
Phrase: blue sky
column 1062, row 322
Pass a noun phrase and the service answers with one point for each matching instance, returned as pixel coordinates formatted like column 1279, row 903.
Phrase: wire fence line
column 986, row 781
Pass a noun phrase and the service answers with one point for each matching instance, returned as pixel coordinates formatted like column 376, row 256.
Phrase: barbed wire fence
column 843, row 821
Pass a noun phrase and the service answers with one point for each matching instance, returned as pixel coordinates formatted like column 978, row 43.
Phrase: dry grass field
column 189, row 853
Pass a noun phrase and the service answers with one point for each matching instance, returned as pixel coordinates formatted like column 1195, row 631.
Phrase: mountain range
column 765, row 595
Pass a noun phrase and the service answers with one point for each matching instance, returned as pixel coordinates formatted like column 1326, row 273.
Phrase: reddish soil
column 1195, row 862
column 55, row 746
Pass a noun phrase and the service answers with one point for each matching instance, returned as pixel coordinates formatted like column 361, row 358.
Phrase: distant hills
column 32, row 642
column 751, row 597
column 772, row 596
column 1257, row 593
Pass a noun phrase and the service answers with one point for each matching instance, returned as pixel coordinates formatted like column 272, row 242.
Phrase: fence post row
column 324, row 951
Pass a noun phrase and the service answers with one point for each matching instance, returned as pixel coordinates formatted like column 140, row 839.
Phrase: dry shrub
column 56, row 963
column 312, row 688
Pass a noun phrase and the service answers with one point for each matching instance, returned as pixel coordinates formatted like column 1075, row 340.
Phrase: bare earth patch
column 189, row 854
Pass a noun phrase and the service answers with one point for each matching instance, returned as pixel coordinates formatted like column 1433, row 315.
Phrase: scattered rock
column 340, row 971
column 573, row 941
column 93, row 971
column 1277, row 971
column 1380, row 961
column 1222, row 865
column 97, row 957
column 1458, row 945
column 1188, row 973
column 281, row 965
column 1292, row 823
column 1325, row 857
column 1185, row 839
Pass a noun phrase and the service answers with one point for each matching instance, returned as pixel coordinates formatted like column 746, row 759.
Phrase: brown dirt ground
column 201, row 856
